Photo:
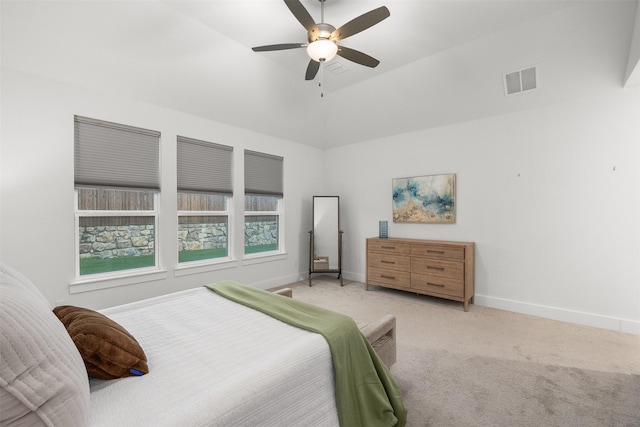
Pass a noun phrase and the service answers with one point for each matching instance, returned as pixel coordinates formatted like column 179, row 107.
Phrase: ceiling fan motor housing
column 324, row 32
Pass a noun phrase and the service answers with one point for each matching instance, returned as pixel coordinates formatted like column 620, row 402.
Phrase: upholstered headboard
column 43, row 380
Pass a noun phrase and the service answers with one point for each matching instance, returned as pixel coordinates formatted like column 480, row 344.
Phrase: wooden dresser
column 428, row 267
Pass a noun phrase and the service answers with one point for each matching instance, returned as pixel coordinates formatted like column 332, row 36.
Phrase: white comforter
column 213, row 362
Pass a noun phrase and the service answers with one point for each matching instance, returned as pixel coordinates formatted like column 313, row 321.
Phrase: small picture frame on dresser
column 383, row 229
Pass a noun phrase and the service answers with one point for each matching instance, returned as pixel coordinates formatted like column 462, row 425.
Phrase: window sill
column 195, row 267
column 96, row 283
column 266, row 257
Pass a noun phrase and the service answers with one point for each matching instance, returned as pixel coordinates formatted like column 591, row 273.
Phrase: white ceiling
column 196, row 57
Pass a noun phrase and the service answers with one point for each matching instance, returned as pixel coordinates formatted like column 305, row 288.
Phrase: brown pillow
column 108, row 350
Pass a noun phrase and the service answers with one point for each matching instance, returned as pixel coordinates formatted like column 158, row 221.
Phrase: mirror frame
column 312, row 238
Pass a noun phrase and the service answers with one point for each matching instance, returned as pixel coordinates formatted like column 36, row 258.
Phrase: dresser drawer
column 396, row 279
column 438, row 267
column 439, row 285
column 437, row 251
column 389, row 246
column 389, row 261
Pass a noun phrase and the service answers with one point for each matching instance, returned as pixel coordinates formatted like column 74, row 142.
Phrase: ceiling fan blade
column 282, row 46
column 357, row 57
column 312, row 70
column 302, row 15
column 360, row 23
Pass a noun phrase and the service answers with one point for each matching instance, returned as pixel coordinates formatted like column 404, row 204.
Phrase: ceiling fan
column 323, row 38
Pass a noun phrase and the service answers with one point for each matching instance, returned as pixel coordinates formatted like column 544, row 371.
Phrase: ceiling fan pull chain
column 321, row 79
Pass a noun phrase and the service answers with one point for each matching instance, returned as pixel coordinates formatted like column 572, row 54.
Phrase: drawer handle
column 388, row 277
column 388, row 247
column 435, row 268
column 387, row 262
column 435, row 252
column 435, row 284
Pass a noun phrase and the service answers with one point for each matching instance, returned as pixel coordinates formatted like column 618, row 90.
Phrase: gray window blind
column 115, row 155
column 204, row 166
column 262, row 173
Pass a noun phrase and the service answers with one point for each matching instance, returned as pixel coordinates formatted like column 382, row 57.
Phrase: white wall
column 37, row 189
column 549, row 190
column 550, row 196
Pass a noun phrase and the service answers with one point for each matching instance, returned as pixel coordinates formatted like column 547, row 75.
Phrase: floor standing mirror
column 325, row 239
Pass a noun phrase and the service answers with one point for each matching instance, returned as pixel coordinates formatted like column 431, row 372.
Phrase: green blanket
column 366, row 393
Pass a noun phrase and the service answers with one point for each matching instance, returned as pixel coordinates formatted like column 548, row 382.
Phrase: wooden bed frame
column 381, row 334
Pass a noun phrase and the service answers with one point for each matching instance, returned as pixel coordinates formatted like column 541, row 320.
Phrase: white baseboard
column 279, row 281
column 353, row 276
column 564, row 315
column 587, row 319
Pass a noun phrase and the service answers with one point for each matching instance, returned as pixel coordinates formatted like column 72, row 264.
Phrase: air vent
column 520, row 81
column 336, row 67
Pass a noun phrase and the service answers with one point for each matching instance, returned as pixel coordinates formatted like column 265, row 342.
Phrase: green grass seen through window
column 186, row 256
column 104, row 265
column 260, row 248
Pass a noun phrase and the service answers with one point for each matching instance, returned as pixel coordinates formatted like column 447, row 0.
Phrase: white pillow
column 42, row 375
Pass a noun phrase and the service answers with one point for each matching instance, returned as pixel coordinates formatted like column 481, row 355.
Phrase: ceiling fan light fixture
column 322, row 38
column 322, row 50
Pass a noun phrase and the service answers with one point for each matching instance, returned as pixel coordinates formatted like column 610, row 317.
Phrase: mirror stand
column 316, row 263
column 325, row 238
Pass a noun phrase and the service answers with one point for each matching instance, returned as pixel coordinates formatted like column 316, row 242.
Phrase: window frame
column 279, row 213
column 89, row 282
column 110, row 155
column 264, row 177
column 228, row 213
column 205, row 167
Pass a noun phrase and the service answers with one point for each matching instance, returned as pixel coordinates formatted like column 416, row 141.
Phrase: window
column 116, row 229
column 117, row 184
column 262, row 225
column 204, row 193
column 262, row 202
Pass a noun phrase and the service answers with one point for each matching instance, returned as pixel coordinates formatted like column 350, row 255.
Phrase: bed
column 211, row 360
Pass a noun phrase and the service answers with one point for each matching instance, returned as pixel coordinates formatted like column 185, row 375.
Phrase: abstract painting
column 429, row 198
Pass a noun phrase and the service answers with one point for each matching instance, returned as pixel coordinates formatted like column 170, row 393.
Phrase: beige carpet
column 490, row 367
